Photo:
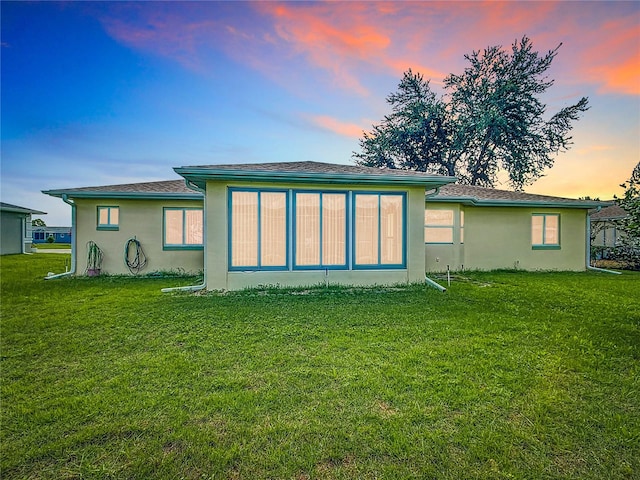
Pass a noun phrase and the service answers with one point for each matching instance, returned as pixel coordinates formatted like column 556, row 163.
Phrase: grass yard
column 52, row 246
column 506, row 375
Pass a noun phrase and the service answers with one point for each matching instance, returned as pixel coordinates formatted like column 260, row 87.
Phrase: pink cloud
column 345, row 44
column 337, row 126
column 614, row 61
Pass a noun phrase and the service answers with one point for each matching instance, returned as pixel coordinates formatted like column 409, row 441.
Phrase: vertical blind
column 366, row 229
column 259, row 229
column 244, row 229
column 273, row 226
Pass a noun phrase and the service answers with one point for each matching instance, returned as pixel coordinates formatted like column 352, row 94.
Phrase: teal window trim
column 259, row 266
column 321, row 266
column 180, row 246
column 109, row 226
column 544, row 245
column 379, row 265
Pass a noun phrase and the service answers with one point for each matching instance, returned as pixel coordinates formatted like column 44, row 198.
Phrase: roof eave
column 200, row 176
column 24, row 211
column 514, row 203
column 126, row 195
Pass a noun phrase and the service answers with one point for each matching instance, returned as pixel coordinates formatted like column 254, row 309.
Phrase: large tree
column 490, row 118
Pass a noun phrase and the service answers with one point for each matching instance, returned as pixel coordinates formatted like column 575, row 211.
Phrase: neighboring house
column 604, row 225
column 15, row 228
column 305, row 223
column 58, row 234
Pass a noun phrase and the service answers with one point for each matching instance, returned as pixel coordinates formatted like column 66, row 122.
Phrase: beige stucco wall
column 219, row 278
column 500, row 237
column 138, row 218
column 439, row 256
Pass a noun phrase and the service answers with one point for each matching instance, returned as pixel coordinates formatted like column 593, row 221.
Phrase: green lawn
column 52, row 246
column 506, row 375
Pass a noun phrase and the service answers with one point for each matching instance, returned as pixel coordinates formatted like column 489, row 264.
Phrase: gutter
column 203, row 285
column 588, row 253
column 74, row 240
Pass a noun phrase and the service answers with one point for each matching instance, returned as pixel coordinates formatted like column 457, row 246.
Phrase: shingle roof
column 7, row 207
column 308, row 167
column 491, row 196
column 611, row 212
column 309, row 173
column 164, row 188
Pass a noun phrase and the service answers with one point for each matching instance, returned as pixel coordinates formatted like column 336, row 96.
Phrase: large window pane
column 366, row 229
column 334, row 232
column 173, row 227
column 244, row 229
column 438, row 235
column 551, row 230
column 537, row 222
column 391, row 229
column 193, row 227
column 307, row 229
column 273, row 222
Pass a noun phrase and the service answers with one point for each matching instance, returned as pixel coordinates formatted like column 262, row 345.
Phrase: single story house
column 15, row 228
column 305, row 223
column 57, row 234
column 605, row 229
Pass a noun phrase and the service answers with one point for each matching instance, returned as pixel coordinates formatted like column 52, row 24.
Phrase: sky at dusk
column 99, row 93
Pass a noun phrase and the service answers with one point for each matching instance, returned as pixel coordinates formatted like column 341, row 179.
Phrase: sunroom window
column 379, row 230
column 320, row 230
column 258, row 229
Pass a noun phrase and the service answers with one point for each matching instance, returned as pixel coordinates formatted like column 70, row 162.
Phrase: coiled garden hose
column 134, row 256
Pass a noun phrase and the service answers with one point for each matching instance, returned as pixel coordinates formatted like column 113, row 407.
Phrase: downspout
column 589, row 267
column 434, row 284
column 203, row 285
column 432, row 193
column 74, row 240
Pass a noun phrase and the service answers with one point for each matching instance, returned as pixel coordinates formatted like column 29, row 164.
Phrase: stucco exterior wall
column 138, row 218
column 11, row 232
column 500, row 237
column 439, row 256
column 216, row 250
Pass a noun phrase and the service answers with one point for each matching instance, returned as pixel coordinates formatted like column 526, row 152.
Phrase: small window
column 545, row 231
column 461, row 226
column 108, row 218
column 183, row 228
column 438, row 226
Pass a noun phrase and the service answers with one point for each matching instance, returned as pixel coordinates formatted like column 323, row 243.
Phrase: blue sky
column 118, row 92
